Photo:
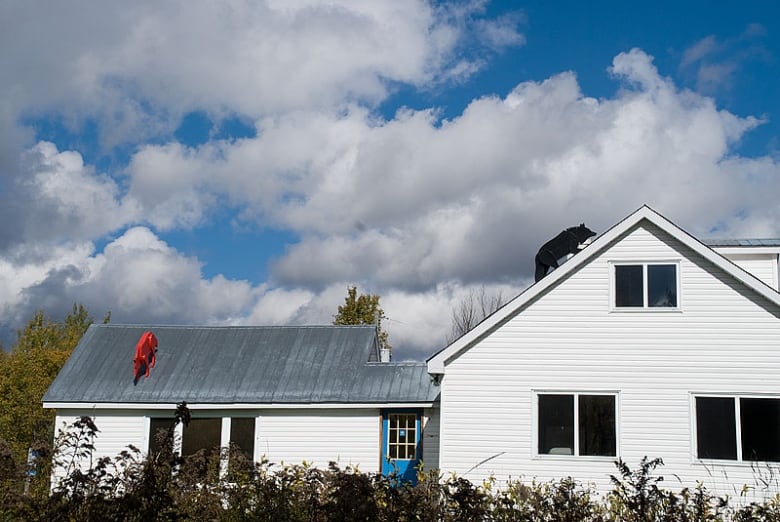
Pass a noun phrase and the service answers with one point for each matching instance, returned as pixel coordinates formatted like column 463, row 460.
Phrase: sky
column 246, row 161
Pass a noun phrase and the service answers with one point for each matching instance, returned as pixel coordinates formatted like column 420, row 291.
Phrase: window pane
column 597, row 425
column 242, row 434
column 201, row 434
column 158, row 428
column 716, row 428
column 556, row 424
column 760, row 422
column 662, row 285
column 402, row 435
column 629, row 285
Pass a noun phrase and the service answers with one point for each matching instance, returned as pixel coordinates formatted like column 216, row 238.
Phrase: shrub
column 164, row 486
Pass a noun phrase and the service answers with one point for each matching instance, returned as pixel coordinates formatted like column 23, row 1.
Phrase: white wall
column 347, row 436
column 763, row 266
column 117, row 430
column 350, row 437
column 724, row 339
column 430, row 438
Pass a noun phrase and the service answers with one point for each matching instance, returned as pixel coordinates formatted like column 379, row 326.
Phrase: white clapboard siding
column 430, row 438
column 724, row 339
column 763, row 266
column 117, row 430
column 349, row 437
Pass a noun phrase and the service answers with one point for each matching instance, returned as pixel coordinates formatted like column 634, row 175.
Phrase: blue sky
column 244, row 162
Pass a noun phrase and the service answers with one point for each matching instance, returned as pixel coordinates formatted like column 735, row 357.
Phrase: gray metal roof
column 239, row 364
column 742, row 242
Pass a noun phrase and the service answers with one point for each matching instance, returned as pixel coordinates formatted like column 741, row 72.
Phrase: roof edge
column 57, row 405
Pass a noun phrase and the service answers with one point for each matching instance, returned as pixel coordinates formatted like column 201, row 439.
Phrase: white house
column 290, row 394
column 648, row 342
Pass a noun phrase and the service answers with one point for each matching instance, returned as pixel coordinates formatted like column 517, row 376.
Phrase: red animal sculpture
column 145, row 355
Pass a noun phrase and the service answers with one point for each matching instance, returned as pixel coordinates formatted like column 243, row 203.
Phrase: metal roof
column 239, row 364
column 742, row 242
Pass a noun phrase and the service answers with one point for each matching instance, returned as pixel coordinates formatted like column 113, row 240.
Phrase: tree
column 26, row 372
column 362, row 309
column 472, row 310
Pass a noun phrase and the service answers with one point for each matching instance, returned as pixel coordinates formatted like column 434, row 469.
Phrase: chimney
column 384, row 355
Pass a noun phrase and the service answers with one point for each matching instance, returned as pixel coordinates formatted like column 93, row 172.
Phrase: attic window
column 646, row 285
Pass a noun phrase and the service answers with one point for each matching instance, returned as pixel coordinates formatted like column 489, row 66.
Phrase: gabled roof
column 237, row 365
column 437, row 362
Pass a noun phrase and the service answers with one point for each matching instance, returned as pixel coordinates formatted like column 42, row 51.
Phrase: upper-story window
column 646, row 285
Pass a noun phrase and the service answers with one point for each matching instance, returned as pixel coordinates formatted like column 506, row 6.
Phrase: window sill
column 648, row 309
column 748, row 464
column 578, row 458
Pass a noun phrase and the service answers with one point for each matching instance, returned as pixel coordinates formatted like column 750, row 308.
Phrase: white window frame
column 738, row 426
column 644, row 307
column 417, row 436
column 575, row 455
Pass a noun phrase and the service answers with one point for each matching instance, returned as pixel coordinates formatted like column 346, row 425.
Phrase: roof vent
column 567, row 242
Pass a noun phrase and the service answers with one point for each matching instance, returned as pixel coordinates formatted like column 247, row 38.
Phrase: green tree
column 362, row 309
column 26, row 372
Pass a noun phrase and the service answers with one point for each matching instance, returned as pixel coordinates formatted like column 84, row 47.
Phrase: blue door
column 401, row 448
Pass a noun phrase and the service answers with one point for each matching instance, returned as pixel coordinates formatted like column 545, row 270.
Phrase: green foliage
column 26, row 372
column 166, row 487
column 362, row 309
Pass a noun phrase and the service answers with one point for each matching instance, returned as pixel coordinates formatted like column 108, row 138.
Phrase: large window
column 158, row 431
column 646, row 286
column 738, row 428
column 242, row 434
column 201, row 434
column 577, row 424
column 204, row 434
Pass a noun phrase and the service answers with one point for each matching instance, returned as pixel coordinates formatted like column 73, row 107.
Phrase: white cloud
column 410, row 202
column 137, row 276
column 55, row 196
column 136, row 68
column 415, row 209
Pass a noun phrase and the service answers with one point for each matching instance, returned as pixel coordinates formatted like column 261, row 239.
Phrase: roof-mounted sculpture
column 567, row 242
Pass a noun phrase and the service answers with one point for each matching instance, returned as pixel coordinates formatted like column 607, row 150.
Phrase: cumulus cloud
column 141, row 279
column 412, row 207
column 137, row 68
column 411, row 201
column 55, row 195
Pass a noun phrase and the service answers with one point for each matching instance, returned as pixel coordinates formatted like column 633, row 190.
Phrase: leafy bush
column 165, row 486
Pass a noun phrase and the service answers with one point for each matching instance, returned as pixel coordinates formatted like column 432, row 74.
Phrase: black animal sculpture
column 567, row 242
